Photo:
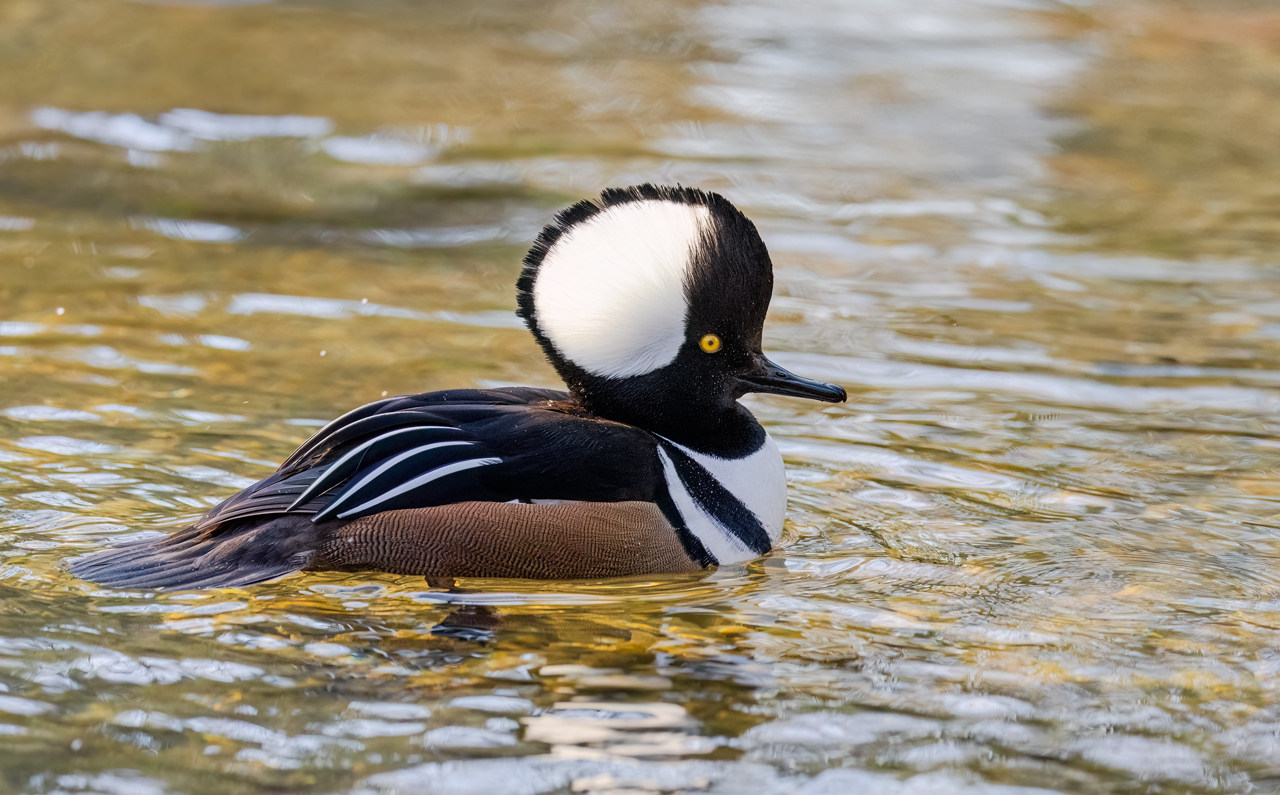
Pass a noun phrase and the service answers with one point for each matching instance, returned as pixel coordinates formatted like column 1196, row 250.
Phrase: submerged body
column 650, row 304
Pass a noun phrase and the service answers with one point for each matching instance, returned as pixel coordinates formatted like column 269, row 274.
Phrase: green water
column 1034, row 240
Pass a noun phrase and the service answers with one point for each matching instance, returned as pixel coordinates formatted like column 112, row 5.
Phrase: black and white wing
column 405, row 452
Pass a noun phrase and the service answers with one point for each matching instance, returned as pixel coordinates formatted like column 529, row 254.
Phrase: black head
column 650, row 303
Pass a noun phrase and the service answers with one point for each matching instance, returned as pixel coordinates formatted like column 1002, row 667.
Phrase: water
column 1036, row 549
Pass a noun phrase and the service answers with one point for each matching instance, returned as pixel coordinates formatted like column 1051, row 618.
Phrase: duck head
column 650, row 304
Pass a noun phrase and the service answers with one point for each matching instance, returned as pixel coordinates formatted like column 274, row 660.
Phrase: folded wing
column 407, row 452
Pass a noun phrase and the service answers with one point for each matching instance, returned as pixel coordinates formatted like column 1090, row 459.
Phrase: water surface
column 1034, row 240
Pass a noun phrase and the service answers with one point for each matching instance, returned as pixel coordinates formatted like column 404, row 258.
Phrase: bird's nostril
column 782, row 374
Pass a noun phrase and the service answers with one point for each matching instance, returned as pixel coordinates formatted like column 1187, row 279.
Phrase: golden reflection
column 1172, row 153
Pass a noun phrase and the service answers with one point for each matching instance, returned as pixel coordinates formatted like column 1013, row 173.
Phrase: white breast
column 758, row 480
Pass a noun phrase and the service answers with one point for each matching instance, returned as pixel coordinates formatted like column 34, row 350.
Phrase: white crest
column 610, row 292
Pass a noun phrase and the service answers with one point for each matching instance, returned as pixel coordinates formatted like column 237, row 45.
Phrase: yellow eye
column 710, row 343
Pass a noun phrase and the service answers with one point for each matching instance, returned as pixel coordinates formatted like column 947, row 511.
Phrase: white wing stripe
column 364, row 481
column 337, row 465
column 421, row 480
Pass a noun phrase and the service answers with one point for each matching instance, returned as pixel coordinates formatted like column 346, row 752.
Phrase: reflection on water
column 1037, row 548
column 1179, row 109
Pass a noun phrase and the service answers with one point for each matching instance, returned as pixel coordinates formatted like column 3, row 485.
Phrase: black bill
column 774, row 380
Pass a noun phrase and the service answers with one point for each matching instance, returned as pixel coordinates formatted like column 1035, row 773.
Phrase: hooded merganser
column 650, row 304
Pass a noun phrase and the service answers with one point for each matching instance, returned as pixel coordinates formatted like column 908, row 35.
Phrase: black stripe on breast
column 692, row 546
column 718, row 501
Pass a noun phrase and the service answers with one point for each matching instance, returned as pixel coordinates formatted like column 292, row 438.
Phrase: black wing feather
column 381, row 431
column 452, row 407
column 375, row 449
column 375, row 490
column 272, row 495
column 341, row 422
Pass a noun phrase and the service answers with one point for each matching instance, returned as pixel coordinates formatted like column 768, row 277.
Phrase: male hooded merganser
column 650, row 304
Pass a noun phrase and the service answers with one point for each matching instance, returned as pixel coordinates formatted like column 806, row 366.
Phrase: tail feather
column 229, row 556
